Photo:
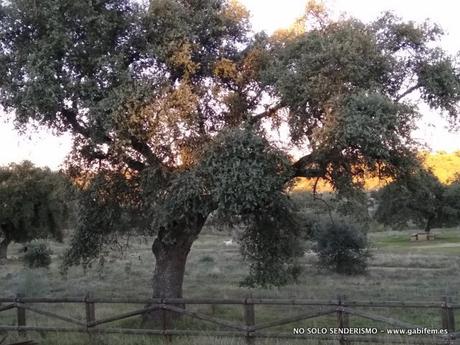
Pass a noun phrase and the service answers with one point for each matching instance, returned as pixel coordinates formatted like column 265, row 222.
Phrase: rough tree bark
column 171, row 249
column 429, row 224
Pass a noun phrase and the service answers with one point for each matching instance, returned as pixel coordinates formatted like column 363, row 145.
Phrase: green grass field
column 446, row 242
column 399, row 270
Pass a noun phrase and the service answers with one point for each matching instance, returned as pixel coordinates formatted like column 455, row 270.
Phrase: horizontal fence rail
column 249, row 329
column 219, row 301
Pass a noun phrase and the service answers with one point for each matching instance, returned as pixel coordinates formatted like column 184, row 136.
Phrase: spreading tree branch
column 407, row 92
column 267, row 113
column 315, row 197
column 308, row 167
column 146, row 152
column 70, row 118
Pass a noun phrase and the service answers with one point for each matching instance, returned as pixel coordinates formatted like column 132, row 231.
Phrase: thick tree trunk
column 4, row 248
column 429, row 224
column 169, row 269
column 171, row 258
column 168, row 276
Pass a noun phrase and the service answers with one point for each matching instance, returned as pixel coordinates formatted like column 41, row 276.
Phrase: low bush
column 38, row 255
column 341, row 247
column 207, row 259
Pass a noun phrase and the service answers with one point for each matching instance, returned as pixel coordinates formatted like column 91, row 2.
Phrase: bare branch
column 134, row 164
column 302, row 170
column 315, row 197
column 267, row 113
column 407, row 92
column 70, row 118
column 145, row 151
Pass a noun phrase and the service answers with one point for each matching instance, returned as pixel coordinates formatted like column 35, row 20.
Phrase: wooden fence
column 249, row 330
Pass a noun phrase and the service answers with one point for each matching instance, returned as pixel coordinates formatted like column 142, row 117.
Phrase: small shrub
column 207, row 259
column 342, row 248
column 38, row 255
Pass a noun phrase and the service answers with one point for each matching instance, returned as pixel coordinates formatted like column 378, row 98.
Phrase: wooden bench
column 422, row 236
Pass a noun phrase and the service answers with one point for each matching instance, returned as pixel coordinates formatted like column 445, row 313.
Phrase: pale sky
column 45, row 149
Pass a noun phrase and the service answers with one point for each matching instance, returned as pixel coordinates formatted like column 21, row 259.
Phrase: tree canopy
column 452, row 202
column 421, row 198
column 418, row 197
column 33, row 204
column 170, row 105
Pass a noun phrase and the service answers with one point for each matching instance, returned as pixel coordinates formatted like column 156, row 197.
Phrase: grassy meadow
column 399, row 270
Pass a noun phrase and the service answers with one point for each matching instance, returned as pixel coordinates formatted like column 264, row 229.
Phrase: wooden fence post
column 90, row 309
column 343, row 320
column 447, row 315
column 165, row 323
column 249, row 319
column 213, row 309
column 21, row 314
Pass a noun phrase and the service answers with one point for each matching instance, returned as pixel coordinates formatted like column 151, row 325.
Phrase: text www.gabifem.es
column 367, row 331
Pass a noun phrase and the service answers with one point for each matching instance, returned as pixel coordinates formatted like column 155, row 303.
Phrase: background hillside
column 444, row 165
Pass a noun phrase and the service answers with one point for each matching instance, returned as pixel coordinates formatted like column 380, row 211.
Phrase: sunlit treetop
column 150, row 85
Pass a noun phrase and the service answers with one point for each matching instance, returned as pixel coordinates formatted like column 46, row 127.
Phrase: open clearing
column 399, row 270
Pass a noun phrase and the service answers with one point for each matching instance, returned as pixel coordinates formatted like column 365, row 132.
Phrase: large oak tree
column 170, row 105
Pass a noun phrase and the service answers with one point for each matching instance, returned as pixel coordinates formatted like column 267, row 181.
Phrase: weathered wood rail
column 250, row 330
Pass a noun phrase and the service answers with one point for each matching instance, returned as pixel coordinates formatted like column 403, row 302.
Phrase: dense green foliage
column 34, row 203
column 421, row 198
column 38, row 255
column 341, row 247
column 246, row 174
column 238, row 174
column 271, row 245
column 104, row 212
column 163, row 100
column 451, row 207
column 312, row 208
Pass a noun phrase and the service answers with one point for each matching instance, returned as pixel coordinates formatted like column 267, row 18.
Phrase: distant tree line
column 34, row 203
column 421, row 198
